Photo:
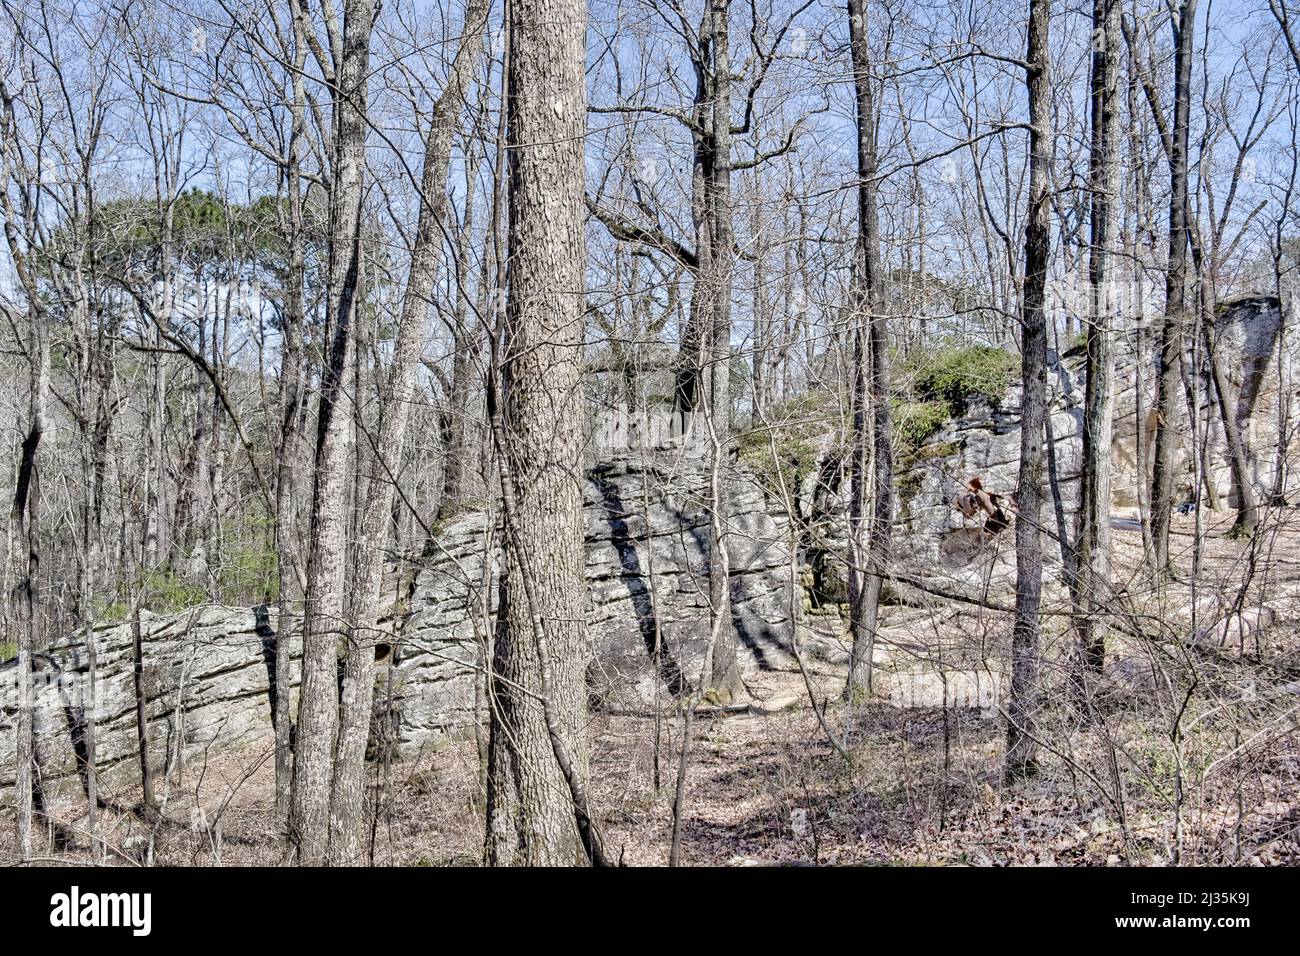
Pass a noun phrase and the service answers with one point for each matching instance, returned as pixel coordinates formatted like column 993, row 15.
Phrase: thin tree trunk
column 679, row 789
column 1023, row 708
column 155, row 467
column 1142, row 481
column 464, row 355
column 26, row 514
column 1238, row 457
column 348, row 798
column 689, row 392
column 26, row 508
column 323, row 612
column 725, row 679
column 287, row 484
column 871, row 379
column 1093, row 552
column 141, row 707
column 1171, row 331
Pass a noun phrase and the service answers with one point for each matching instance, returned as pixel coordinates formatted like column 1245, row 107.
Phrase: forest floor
column 1192, row 756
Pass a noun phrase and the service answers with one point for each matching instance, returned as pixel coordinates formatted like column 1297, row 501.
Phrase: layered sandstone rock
column 209, row 672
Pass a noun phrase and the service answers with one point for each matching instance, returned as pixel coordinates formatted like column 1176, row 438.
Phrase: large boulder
column 647, row 542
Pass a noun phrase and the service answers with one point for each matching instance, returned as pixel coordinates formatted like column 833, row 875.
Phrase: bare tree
column 1093, row 551
column 538, row 811
column 1022, row 711
column 290, row 570
column 870, row 378
column 347, row 800
column 324, row 608
column 1171, row 331
column 26, row 508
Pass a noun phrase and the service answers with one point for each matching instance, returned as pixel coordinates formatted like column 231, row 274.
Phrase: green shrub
column 167, row 592
column 957, row 375
column 941, row 385
column 914, row 422
column 794, row 428
column 8, row 651
column 792, row 450
column 112, row 613
column 250, row 573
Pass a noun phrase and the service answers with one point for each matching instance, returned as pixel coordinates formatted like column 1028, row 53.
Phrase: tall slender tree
column 1093, row 551
column 1171, row 329
column 324, row 608
column 1022, row 711
column 347, row 800
column 25, row 513
column 870, row 378
column 725, row 678
column 289, row 565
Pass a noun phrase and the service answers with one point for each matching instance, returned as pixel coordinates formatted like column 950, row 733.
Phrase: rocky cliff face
column 648, row 610
column 1259, row 353
column 208, row 672
column 206, row 676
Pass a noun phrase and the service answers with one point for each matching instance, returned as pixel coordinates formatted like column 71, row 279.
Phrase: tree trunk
column 1093, row 552
column 689, row 392
column 871, row 380
column 725, row 679
column 463, row 361
column 537, row 773
column 141, row 707
column 1238, row 457
column 287, row 485
column 1171, row 331
column 1140, row 444
column 1023, row 707
column 323, row 611
column 26, row 514
column 26, row 508
column 348, row 798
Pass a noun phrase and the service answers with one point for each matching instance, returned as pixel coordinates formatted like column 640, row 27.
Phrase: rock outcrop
column 1258, row 352
column 206, row 677
column 209, row 672
column 648, row 611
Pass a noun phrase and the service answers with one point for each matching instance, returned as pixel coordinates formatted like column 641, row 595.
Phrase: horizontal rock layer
column 209, row 672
